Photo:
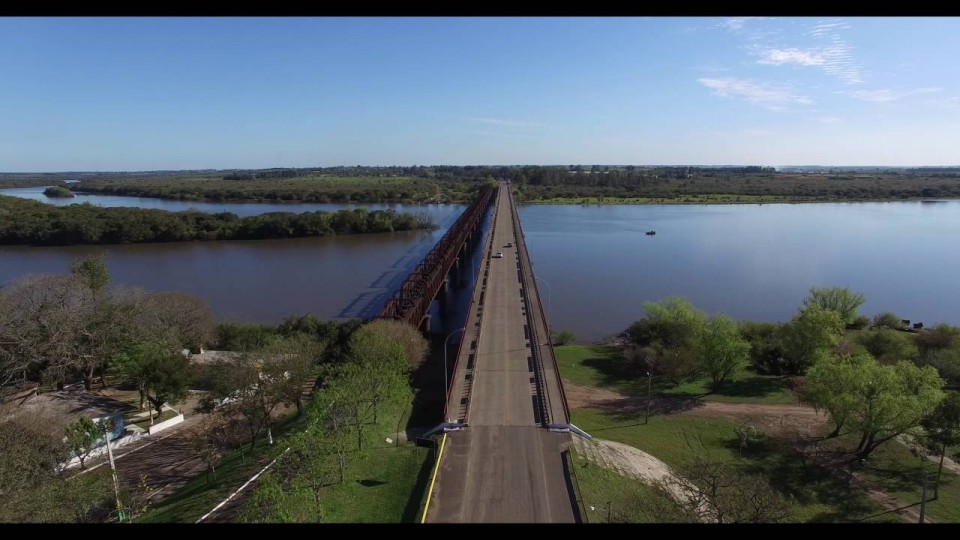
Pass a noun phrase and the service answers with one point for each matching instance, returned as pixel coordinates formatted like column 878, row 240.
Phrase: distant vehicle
column 509, row 244
column 651, row 233
column 499, row 255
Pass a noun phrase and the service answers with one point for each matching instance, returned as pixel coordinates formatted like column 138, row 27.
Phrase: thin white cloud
column 778, row 57
column 495, row 134
column 834, row 56
column 772, row 97
column 952, row 102
column 837, row 54
column 828, row 120
column 757, row 132
column 886, row 95
column 501, row 122
column 826, row 28
column 736, row 23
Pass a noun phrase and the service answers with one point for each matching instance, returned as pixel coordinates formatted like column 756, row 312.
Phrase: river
column 598, row 267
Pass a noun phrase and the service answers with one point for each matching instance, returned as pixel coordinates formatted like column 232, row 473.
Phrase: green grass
column 897, row 471
column 601, row 366
column 387, row 487
column 199, row 495
column 165, row 415
column 385, row 483
column 615, row 498
column 817, row 496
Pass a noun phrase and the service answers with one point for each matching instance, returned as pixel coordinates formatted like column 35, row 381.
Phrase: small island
column 58, row 192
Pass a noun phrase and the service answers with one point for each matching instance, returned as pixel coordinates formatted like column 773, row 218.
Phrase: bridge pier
column 425, row 325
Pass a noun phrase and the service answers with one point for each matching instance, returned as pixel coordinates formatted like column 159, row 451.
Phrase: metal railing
column 411, row 301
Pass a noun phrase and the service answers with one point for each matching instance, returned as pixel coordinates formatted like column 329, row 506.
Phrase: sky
column 132, row 94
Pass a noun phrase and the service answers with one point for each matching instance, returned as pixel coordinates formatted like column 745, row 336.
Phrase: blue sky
column 184, row 93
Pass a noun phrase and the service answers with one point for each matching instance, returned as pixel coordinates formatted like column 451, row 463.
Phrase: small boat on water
column 651, row 233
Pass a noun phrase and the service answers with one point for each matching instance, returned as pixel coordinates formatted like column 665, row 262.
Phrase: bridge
column 506, row 415
column 411, row 301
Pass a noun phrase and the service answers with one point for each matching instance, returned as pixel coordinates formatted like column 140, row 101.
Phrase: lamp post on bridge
column 446, row 389
column 549, row 305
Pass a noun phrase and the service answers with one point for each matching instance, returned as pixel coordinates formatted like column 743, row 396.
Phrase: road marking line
column 436, row 469
column 254, row 477
column 115, row 458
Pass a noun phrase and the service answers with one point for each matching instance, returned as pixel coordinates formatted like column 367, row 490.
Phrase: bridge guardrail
column 521, row 241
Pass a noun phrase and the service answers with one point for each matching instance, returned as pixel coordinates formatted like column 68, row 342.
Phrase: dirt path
column 775, row 420
column 632, row 462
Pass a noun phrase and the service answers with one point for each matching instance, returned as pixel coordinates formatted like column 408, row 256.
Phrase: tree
column 766, row 346
column 354, row 394
column 839, row 299
column 811, row 332
column 131, row 367
column 180, row 318
column 289, row 365
column 93, row 271
column 384, row 332
column 82, row 436
column 309, row 463
column 943, row 429
column 886, row 345
column 723, row 352
column 245, row 391
column 945, row 361
column 30, row 457
column 827, row 387
column 879, row 402
column 211, row 440
column 940, row 337
column 723, row 493
column 384, row 353
column 888, row 320
column 563, row 337
column 166, row 374
column 671, row 328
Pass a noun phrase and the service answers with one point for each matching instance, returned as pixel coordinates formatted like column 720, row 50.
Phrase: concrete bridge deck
column 505, row 466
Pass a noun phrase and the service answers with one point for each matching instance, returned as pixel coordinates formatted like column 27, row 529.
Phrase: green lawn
column 897, row 471
column 817, row 496
column 606, row 496
column 385, row 482
column 166, row 415
column 387, row 487
column 601, row 366
column 199, row 495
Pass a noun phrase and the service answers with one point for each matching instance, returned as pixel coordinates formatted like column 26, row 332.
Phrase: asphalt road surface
column 504, row 467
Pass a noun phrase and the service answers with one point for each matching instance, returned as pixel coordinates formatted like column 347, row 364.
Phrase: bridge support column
column 425, row 325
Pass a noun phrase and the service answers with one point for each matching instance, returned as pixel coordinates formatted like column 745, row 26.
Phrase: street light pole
column 113, row 468
column 446, row 389
column 549, row 303
column 646, row 417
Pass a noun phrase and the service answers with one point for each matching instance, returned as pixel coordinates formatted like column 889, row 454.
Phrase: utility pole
column 113, row 468
column 646, row 417
column 923, row 501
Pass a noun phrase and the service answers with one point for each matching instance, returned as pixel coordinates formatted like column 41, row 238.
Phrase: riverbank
column 312, row 189
column 27, row 222
column 719, row 199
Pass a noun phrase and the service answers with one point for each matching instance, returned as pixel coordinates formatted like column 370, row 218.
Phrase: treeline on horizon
column 27, row 222
column 449, row 183
column 315, row 189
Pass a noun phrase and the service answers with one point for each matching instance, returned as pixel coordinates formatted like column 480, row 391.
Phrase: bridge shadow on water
column 370, row 301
